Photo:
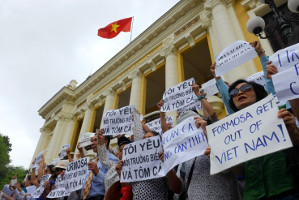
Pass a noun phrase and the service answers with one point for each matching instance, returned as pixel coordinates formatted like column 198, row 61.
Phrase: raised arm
column 164, row 126
column 102, row 151
column 223, row 89
column 205, row 104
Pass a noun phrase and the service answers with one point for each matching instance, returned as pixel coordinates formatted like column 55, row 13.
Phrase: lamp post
column 256, row 25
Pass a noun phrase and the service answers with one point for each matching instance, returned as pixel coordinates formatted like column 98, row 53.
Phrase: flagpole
column 131, row 29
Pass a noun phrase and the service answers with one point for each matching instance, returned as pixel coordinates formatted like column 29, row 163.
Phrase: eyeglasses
column 244, row 88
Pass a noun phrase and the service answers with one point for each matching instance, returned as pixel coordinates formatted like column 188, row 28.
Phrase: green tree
column 7, row 171
column 11, row 171
column 5, row 148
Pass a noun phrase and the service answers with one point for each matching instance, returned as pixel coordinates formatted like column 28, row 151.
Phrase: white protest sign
column 193, row 105
column 38, row 158
column 59, row 190
column 39, row 191
column 85, row 139
column 233, row 56
column 178, row 96
column 252, row 132
column 141, row 160
column 55, row 161
column 210, row 87
column 119, row 121
column 62, row 153
column 6, row 190
column 183, row 142
column 30, row 189
column 155, row 125
column 75, row 174
column 286, row 84
column 286, row 58
column 258, row 78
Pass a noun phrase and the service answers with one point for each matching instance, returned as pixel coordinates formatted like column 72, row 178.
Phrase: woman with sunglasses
column 267, row 177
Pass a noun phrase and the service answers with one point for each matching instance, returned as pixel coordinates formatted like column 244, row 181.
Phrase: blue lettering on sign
column 292, row 89
column 228, row 155
column 261, row 142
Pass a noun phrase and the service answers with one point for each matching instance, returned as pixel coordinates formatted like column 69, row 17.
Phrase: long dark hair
column 259, row 90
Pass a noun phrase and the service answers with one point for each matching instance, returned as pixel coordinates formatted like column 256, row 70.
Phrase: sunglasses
column 244, row 88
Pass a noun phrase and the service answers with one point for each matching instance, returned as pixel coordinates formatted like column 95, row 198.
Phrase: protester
column 268, row 176
column 94, row 181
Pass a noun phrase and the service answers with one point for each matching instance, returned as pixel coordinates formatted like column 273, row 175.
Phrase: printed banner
column 39, row 191
column 210, row 87
column 250, row 133
column 286, row 58
column 258, row 78
column 119, row 121
column 233, row 56
column 141, row 160
column 62, row 153
column 59, row 190
column 178, row 96
column 155, row 125
column 183, row 142
column 75, row 174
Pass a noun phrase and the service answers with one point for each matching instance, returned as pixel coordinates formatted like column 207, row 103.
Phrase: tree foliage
column 11, row 171
column 7, row 171
column 5, row 148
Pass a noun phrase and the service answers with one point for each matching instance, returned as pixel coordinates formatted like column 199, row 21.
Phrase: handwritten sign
column 210, row 87
column 55, row 161
column 233, row 56
column 250, row 133
column 258, row 78
column 62, row 153
column 178, row 96
column 286, row 58
column 85, row 139
column 75, row 174
column 286, row 81
column 183, row 142
column 31, row 189
column 39, row 191
column 141, row 160
column 119, row 121
column 155, row 125
column 38, row 158
column 193, row 105
column 59, row 190
column 286, row 84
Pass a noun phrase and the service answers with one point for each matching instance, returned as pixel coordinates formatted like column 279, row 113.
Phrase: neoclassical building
column 181, row 44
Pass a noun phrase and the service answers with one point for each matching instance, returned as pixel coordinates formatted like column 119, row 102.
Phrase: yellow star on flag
column 114, row 27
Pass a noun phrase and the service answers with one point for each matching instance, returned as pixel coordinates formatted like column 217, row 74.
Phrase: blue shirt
column 223, row 88
column 97, row 185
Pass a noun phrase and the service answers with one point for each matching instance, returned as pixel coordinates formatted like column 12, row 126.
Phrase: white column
column 171, row 73
column 52, row 149
column 171, row 69
column 226, row 36
column 86, row 119
column 108, row 103
column 41, row 141
column 70, row 123
column 136, row 89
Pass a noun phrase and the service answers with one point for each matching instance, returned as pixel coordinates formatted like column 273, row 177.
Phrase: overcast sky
column 44, row 44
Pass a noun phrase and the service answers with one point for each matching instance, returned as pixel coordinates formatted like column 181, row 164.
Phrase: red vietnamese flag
column 113, row 29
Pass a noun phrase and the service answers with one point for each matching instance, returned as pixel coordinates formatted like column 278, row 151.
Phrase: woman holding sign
column 266, row 177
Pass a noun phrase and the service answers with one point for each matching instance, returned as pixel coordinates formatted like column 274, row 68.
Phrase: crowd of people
column 273, row 176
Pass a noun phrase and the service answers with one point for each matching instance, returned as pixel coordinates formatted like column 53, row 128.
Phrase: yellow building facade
column 181, row 44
